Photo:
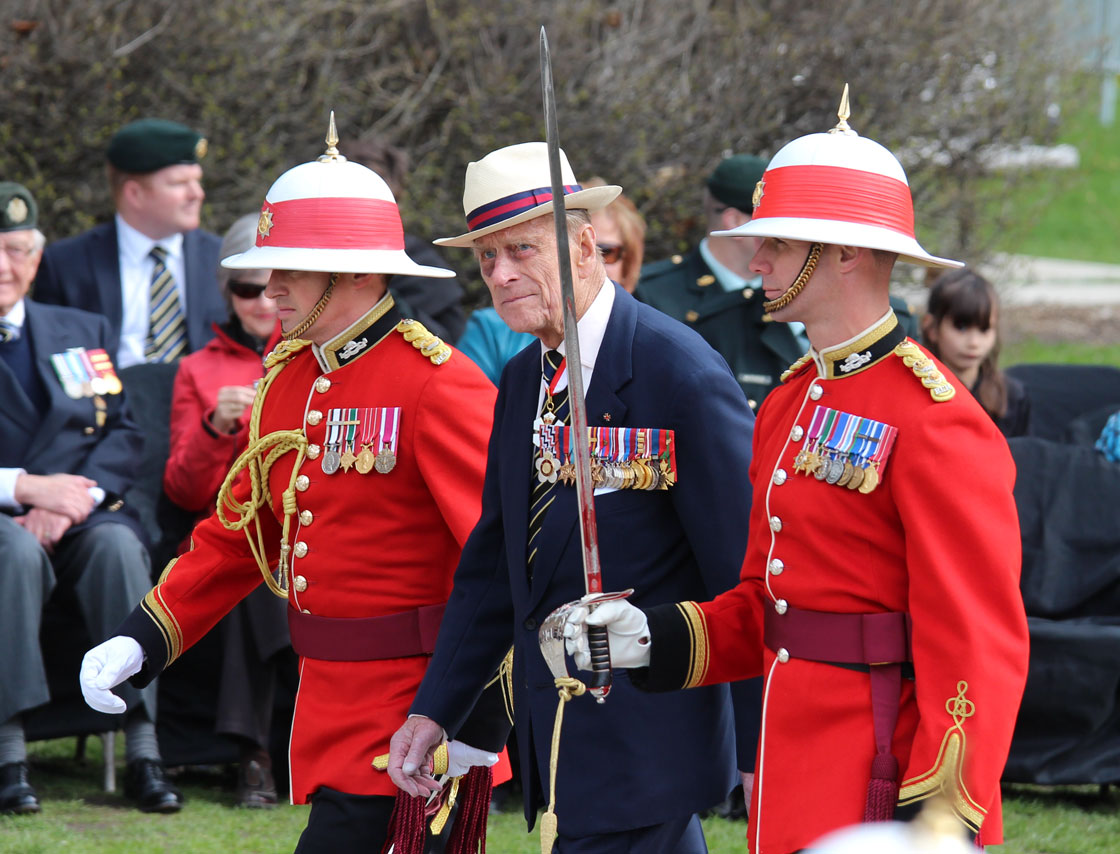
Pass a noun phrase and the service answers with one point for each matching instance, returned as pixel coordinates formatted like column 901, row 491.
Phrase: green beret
column 150, row 144
column 18, row 210
column 734, row 180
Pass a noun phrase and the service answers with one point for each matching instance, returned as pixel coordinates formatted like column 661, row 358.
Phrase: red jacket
column 938, row 539
column 199, row 456
column 364, row 545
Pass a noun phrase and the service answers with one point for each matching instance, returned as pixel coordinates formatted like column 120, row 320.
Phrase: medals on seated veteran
column 621, row 457
column 85, row 373
column 845, row 449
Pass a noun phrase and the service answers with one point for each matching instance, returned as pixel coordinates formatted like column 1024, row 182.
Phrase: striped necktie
column 8, row 331
column 542, row 493
column 167, row 330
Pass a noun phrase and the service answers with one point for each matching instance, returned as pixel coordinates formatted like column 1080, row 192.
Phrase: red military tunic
column 938, row 538
column 363, row 545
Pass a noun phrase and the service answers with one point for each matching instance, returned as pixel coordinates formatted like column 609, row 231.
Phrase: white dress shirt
column 134, row 253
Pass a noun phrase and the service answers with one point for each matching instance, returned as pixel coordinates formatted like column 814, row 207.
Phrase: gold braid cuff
column 258, row 459
column 799, row 283
column 504, row 677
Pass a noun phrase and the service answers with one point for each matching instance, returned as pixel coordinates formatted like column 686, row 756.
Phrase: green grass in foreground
column 1073, row 212
column 79, row 818
column 1060, row 352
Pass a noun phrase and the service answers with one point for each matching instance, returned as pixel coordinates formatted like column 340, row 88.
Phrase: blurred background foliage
column 651, row 94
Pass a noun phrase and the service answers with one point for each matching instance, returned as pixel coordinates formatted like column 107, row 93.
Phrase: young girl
column 960, row 328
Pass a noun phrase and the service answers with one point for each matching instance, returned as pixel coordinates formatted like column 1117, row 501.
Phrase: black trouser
column 341, row 822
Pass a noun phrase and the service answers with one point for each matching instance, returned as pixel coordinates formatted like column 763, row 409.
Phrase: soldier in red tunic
column 879, row 596
column 361, row 481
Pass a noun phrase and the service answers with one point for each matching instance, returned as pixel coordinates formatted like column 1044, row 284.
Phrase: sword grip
column 599, row 647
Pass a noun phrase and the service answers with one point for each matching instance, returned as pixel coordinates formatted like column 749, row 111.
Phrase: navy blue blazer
column 84, row 272
column 640, row 758
column 67, row 438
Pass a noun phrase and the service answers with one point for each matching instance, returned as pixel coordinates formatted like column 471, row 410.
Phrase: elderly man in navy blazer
column 68, row 451
column 151, row 271
column 633, row 772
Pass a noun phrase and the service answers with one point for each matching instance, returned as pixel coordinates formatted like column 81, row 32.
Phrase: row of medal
column 621, row 457
column 845, row 449
column 85, row 373
column 362, row 437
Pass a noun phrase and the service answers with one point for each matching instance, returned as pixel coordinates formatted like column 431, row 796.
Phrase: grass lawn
column 78, row 817
column 1074, row 213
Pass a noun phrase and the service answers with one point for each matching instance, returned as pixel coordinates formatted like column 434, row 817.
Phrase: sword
column 597, row 638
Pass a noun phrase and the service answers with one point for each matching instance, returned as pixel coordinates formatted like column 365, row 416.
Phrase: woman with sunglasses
column 211, row 403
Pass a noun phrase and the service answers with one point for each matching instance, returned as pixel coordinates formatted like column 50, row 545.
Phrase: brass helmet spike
column 332, row 144
column 842, row 114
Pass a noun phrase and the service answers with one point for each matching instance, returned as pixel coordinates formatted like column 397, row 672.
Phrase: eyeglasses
column 17, row 252
column 245, row 290
column 612, row 254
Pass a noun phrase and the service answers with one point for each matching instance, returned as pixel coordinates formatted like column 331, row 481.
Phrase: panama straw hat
column 331, row 216
column 838, row 187
column 512, row 185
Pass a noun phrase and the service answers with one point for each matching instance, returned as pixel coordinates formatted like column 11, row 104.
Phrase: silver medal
column 835, row 470
column 331, row 461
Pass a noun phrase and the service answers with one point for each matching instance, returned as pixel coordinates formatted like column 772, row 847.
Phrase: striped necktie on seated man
column 541, row 494
column 8, row 331
column 167, row 330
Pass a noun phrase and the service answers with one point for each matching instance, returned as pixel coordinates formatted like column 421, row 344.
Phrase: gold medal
column 846, row 475
column 567, row 474
column 668, row 477
column 347, row 459
column 856, row 478
column 365, row 460
column 870, row 480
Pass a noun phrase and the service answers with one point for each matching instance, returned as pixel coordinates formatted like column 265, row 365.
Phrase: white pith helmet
column 841, row 188
column 331, row 216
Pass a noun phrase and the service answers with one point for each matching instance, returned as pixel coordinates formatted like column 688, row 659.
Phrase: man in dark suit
column 68, row 449
column 523, row 559
column 151, row 270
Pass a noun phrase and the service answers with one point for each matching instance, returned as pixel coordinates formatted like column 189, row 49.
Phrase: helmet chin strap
column 799, row 283
column 313, row 315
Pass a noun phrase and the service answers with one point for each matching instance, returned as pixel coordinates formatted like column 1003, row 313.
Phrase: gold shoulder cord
column 259, row 457
column 940, row 389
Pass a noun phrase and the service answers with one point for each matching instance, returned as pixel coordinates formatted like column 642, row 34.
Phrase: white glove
column 106, row 666
column 627, row 633
column 462, row 757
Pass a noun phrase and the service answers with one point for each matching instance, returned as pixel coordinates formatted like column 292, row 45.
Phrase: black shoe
column 16, row 795
column 146, row 784
column 255, row 786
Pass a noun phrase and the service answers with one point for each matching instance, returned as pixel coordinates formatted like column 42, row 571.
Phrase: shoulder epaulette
column 284, row 350
column 656, row 268
column 940, row 389
column 795, row 367
column 428, row 344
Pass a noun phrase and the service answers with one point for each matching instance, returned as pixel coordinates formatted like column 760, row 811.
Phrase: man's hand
column 233, row 400
column 45, row 525
column 106, row 666
column 410, row 756
column 67, row 494
column 627, row 633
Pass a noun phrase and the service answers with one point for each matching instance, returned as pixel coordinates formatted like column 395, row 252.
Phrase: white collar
column 592, row 327
column 16, row 316
column 136, row 246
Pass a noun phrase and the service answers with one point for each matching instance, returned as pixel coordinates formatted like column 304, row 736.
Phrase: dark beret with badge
column 18, row 210
column 734, row 180
column 147, row 145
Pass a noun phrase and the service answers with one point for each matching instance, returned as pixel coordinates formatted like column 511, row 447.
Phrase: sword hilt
column 599, row 647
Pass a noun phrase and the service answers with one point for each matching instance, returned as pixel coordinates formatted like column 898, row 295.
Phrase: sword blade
column 577, row 405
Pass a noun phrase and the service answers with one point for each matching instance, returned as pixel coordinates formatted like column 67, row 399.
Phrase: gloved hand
column 627, row 633
column 462, row 757
column 106, row 666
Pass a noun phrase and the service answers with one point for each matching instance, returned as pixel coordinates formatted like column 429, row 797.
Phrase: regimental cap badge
column 200, row 148
column 758, row 191
column 264, row 224
column 17, row 211
column 842, row 114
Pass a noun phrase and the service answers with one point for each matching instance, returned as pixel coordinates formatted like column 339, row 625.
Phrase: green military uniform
column 733, row 322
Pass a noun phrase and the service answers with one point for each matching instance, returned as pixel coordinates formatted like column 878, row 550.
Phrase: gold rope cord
column 568, row 687
column 799, row 283
column 258, row 458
